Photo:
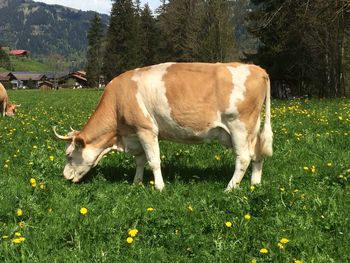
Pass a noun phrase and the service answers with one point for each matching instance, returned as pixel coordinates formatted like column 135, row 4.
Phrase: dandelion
column 83, row 211
column 217, row 157
column 151, row 182
column 51, row 158
column 33, row 182
column 313, row 169
column 282, row 189
column 264, row 251
column 18, row 240
column 340, row 118
column 284, row 240
column 133, row 232
column 19, row 212
column 297, row 261
column 150, row 209
column 21, row 224
column 190, row 208
column 329, row 164
column 306, row 168
column 253, row 260
column 129, row 240
column 6, row 165
column 252, row 188
column 5, row 237
column 247, row 217
column 280, row 245
column 35, row 147
column 42, row 185
column 228, row 224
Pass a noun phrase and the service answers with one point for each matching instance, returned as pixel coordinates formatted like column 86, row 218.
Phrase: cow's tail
column 266, row 135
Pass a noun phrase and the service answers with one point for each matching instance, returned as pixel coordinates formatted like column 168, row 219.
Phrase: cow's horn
column 61, row 136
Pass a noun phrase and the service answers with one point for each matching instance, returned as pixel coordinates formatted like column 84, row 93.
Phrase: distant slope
column 27, row 64
column 45, row 29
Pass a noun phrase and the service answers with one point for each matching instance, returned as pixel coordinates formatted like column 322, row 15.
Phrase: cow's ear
column 79, row 142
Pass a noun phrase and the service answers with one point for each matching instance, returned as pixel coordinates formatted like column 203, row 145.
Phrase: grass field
column 300, row 213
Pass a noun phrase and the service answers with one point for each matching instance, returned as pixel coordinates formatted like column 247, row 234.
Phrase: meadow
column 300, row 212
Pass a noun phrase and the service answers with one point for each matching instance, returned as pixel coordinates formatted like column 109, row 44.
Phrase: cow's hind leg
column 140, row 166
column 149, row 142
column 240, row 143
column 257, row 163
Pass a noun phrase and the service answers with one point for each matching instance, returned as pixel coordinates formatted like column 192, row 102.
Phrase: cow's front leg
column 140, row 165
column 149, row 142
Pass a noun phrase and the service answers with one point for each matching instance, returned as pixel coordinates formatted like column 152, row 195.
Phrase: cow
column 180, row 102
column 7, row 108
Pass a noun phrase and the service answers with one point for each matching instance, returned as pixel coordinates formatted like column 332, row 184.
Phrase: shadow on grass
column 171, row 173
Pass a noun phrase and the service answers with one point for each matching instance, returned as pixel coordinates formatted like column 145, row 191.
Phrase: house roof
column 4, row 76
column 18, row 52
column 28, row 76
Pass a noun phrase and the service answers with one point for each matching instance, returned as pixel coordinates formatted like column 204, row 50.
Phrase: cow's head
column 81, row 157
column 11, row 109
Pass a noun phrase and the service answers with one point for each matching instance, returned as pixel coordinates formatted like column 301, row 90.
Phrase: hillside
column 45, row 29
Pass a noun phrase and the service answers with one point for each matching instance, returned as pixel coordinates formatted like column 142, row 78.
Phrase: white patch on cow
column 239, row 77
column 81, row 161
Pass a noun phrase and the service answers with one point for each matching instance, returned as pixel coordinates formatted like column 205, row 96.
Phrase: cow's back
column 3, row 93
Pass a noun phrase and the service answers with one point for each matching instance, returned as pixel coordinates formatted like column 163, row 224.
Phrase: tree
column 149, row 37
column 122, row 44
column 94, row 52
column 5, row 61
column 217, row 32
column 302, row 43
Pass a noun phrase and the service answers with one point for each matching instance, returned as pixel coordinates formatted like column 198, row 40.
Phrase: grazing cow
column 181, row 102
column 7, row 108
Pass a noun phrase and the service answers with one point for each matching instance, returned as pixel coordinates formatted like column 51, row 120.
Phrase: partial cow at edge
column 180, row 102
column 7, row 108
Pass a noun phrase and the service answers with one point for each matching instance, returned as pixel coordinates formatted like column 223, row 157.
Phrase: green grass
column 308, row 206
column 28, row 64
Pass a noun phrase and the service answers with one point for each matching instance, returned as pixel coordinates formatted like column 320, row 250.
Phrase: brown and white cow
column 7, row 108
column 181, row 102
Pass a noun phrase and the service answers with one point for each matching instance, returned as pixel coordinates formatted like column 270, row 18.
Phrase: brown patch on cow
column 196, row 92
column 116, row 115
column 249, row 109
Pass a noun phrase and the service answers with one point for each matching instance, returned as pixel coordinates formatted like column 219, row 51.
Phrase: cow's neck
column 101, row 128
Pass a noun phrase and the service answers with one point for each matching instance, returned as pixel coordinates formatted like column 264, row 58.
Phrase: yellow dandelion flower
column 21, row 224
column 42, row 185
column 129, row 240
column 313, row 169
column 284, row 240
column 150, row 209
column 282, row 189
column 19, row 212
column 253, row 260
column 6, row 165
column 133, row 232
column 252, row 188
column 247, row 217
column 18, row 240
column 18, row 234
column 329, row 164
column 190, row 208
column 5, row 237
column 264, row 251
column 217, row 157
column 51, row 158
column 35, row 147
column 32, row 182
column 306, row 168
column 83, row 211
column 151, row 182
column 340, row 118
column 280, row 245
column 228, row 224
column 297, row 261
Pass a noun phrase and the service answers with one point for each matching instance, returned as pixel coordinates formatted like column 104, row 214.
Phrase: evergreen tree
column 217, row 33
column 5, row 61
column 94, row 52
column 149, row 38
column 122, row 45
